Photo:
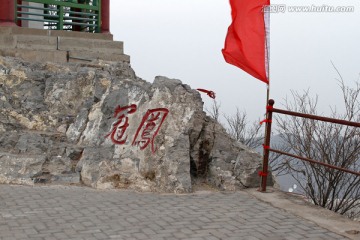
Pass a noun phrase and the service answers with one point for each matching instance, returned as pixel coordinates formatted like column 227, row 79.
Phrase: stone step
column 50, row 45
column 54, row 33
column 35, row 55
column 49, row 55
column 27, row 41
column 81, row 56
column 7, row 41
column 36, row 42
column 92, row 45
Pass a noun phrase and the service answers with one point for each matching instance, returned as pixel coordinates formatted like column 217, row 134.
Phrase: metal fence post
column 60, row 25
column 98, row 16
column 264, row 171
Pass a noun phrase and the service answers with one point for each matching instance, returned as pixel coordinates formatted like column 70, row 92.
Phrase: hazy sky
column 183, row 39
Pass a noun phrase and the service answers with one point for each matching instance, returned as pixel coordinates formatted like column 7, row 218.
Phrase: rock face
column 98, row 124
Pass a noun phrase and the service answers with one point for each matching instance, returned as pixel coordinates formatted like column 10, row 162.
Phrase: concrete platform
column 69, row 212
column 297, row 205
column 14, row 30
column 52, row 46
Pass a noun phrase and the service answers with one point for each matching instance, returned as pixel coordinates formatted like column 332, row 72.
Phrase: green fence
column 71, row 15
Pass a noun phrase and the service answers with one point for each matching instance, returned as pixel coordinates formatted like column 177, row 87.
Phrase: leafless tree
column 214, row 110
column 238, row 126
column 243, row 131
column 334, row 144
column 249, row 134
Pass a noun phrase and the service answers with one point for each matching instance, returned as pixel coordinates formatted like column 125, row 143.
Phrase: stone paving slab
column 67, row 212
column 298, row 205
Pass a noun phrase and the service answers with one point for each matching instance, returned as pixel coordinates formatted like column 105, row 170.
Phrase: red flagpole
column 7, row 13
column 105, row 16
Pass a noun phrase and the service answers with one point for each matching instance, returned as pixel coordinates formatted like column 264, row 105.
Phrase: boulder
column 100, row 125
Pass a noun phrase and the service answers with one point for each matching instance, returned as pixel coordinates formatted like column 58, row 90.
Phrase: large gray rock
column 98, row 124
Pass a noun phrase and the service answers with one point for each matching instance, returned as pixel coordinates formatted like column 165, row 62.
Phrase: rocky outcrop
column 100, row 125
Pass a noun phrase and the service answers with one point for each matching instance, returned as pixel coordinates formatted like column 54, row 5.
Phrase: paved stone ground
column 64, row 212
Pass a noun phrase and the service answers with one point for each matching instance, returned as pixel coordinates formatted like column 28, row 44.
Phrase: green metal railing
column 71, row 15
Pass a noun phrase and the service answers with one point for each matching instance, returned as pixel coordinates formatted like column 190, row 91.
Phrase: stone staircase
column 59, row 46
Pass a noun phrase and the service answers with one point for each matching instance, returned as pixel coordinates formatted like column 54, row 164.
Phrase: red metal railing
column 270, row 110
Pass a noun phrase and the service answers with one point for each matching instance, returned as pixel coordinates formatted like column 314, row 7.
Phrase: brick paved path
column 58, row 212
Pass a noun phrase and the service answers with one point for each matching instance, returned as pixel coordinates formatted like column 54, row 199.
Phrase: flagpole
column 264, row 171
column 267, row 48
column 267, row 93
column 244, row 44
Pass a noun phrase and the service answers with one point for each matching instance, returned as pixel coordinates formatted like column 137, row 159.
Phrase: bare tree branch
column 240, row 129
column 214, row 110
column 334, row 144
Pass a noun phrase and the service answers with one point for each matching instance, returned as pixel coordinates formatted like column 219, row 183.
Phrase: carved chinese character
column 149, row 128
column 119, row 127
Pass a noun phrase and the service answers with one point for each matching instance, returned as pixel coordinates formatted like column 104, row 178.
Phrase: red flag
column 245, row 44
